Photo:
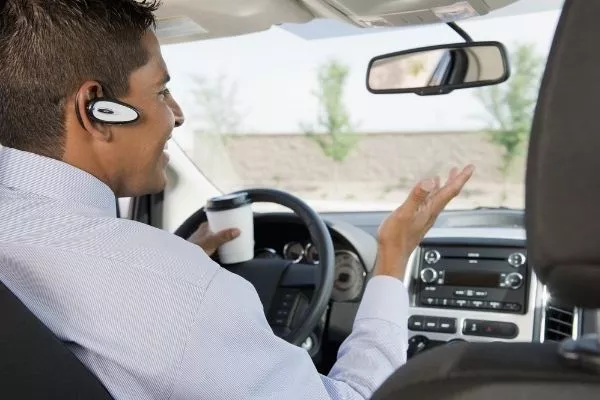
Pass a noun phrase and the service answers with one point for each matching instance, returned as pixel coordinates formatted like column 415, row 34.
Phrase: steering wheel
column 284, row 286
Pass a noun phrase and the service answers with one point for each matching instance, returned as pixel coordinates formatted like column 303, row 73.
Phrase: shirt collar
column 54, row 179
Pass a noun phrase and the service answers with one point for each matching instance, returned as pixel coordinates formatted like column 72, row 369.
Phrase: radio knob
column 432, row 256
column 514, row 280
column 429, row 275
column 517, row 259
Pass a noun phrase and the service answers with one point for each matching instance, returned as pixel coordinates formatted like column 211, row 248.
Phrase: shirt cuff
column 385, row 298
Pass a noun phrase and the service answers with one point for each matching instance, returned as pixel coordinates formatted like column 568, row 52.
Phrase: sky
column 275, row 72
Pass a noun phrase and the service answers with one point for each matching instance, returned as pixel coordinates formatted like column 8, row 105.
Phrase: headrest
column 563, row 168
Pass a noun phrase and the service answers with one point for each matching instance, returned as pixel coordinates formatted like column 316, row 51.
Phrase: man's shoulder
column 81, row 231
column 145, row 246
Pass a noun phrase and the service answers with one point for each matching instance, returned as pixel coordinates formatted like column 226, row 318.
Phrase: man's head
column 56, row 56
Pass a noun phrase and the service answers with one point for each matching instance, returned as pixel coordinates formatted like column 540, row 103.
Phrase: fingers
column 436, row 187
column 211, row 242
column 204, row 234
column 452, row 175
column 225, row 236
column 420, row 193
column 456, row 181
column 440, row 196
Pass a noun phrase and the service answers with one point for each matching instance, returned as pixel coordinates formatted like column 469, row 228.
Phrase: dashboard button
column 471, row 327
column 459, row 293
column 289, row 295
column 282, row 313
column 286, row 305
column 481, row 293
column 504, row 330
column 445, row 302
column 477, row 304
column 430, row 301
column 281, row 317
column 429, row 275
column 431, row 324
column 513, row 280
column 462, row 303
column 288, row 299
column 495, row 305
column 447, row 325
column 517, row 259
column 416, row 323
column 441, row 275
column 432, row 256
column 512, row 306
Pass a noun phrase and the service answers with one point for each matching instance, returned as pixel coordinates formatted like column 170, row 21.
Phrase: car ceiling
column 189, row 20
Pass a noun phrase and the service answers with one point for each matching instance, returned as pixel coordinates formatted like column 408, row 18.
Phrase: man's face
column 137, row 150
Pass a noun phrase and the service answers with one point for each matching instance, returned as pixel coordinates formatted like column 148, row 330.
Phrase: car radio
column 476, row 278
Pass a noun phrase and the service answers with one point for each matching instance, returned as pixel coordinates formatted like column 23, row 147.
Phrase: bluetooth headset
column 106, row 110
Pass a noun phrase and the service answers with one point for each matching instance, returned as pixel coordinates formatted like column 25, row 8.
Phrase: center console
column 473, row 289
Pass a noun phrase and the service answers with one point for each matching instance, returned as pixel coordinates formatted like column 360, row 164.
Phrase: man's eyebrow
column 165, row 80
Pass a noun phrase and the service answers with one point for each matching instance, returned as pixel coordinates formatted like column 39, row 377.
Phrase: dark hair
column 48, row 48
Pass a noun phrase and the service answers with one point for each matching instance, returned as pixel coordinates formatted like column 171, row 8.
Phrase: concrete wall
column 381, row 166
column 386, row 157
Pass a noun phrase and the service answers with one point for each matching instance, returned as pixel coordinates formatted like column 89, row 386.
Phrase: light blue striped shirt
column 155, row 318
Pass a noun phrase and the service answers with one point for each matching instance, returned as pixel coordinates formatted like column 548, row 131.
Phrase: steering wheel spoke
column 300, row 275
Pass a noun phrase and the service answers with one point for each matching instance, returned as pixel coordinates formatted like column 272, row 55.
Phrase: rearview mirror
column 439, row 69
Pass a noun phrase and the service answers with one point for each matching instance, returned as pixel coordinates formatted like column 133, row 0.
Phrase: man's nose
column 178, row 113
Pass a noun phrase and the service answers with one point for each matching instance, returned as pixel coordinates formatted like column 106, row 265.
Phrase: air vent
column 559, row 322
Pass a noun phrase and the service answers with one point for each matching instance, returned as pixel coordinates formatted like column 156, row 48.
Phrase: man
column 149, row 313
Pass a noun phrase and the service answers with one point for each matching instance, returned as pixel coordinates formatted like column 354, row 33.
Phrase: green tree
column 510, row 106
column 334, row 132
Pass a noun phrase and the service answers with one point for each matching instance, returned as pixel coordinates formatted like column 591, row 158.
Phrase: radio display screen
column 471, row 278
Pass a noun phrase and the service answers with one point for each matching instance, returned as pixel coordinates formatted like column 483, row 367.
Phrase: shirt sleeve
column 232, row 353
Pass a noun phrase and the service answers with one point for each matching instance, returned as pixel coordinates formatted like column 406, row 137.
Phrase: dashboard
column 469, row 280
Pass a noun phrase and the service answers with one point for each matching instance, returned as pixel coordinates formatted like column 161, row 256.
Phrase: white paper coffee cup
column 233, row 211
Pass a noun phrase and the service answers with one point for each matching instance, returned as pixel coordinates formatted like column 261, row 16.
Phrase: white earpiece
column 112, row 112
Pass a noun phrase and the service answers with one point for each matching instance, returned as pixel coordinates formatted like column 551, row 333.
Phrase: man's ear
column 89, row 91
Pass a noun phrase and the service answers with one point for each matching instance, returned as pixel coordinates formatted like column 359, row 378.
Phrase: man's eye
column 165, row 92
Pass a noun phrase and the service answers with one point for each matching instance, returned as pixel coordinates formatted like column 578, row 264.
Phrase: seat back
column 34, row 363
column 490, row 371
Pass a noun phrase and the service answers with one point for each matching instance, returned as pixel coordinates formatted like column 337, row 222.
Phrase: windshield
column 272, row 109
